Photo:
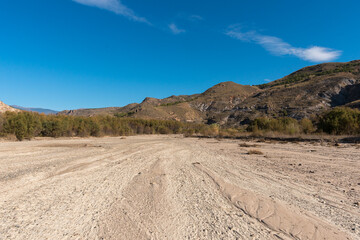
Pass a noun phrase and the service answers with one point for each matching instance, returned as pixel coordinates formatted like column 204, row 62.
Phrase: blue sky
column 68, row 54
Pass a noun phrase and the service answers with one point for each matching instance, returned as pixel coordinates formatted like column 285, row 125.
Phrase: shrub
column 211, row 130
column 229, row 132
column 340, row 120
column 20, row 129
column 255, row 152
column 283, row 125
column 307, row 126
column 2, row 121
column 246, row 145
column 23, row 124
column 28, row 125
column 163, row 130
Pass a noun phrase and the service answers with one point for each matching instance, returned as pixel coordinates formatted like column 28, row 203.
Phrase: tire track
column 287, row 223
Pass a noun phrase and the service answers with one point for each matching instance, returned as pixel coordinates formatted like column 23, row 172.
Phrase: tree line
column 337, row 121
column 26, row 125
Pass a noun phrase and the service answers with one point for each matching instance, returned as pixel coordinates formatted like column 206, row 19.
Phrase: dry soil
column 170, row 187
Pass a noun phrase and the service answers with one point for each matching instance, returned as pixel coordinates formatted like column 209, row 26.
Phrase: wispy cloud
column 115, row 6
column 175, row 30
column 195, row 18
column 277, row 46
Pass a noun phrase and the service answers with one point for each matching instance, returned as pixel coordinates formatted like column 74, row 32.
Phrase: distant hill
column 6, row 108
column 189, row 108
column 38, row 110
column 306, row 92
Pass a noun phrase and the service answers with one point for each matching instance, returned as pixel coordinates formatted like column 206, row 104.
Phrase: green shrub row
column 23, row 125
column 337, row 121
column 284, row 125
column 28, row 125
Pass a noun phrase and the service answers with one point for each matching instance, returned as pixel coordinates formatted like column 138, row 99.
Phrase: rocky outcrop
column 5, row 108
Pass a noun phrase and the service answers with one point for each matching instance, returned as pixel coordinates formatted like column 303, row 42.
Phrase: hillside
column 306, row 92
column 309, row 91
column 6, row 108
column 189, row 108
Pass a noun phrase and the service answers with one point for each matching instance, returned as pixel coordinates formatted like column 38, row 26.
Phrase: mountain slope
column 306, row 92
column 6, row 108
column 190, row 108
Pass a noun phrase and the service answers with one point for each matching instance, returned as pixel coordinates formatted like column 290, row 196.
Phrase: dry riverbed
column 170, row 187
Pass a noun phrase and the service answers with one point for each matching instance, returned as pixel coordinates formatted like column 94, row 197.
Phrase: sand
column 170, row 187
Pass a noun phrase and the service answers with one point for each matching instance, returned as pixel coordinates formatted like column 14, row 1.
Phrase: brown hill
column 6, row 108
column 306, row 92
column 99, row 111
column 190, row 108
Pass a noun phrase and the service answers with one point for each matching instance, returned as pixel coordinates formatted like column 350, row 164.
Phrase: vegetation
column 255, row 152
column 297, row 77
column 127, row 114
column 340, row 120
column 284, row 125
column 246, row 145
column 177, row 102
column 337, row 121
column 171, row 103
column 26, row 125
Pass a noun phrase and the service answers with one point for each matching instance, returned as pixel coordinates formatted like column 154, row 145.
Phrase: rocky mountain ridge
column 304, row 93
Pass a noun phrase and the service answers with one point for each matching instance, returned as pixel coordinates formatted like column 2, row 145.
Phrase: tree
column 20, row 128
column 340, row 120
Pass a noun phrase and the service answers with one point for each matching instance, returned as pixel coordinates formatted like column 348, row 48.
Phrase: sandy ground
column 170, row 187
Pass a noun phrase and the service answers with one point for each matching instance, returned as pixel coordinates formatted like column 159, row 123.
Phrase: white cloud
column 277, row 46
column 114, row 6
column 318, row 54
column 175, row 30
column 267, row 80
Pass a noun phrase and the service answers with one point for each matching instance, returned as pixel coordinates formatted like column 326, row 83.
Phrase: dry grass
column 255, row 152
column 245, row 145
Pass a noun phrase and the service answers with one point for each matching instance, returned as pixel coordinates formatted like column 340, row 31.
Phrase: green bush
column 307, row 126
column 20, row 129
column 282, row 125
column 340, row 120
column 23, row 124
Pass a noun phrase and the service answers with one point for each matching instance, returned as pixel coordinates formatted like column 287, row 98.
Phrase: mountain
column 306, row 92
column 38, row 110
column 189, row 108
column 6, row 108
